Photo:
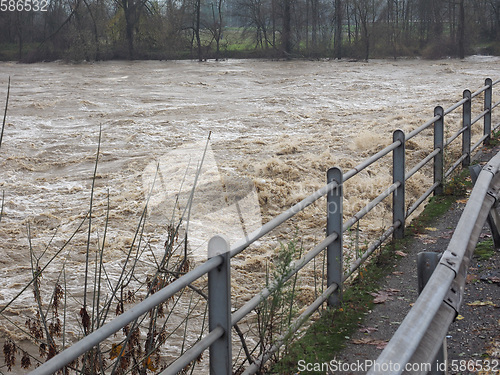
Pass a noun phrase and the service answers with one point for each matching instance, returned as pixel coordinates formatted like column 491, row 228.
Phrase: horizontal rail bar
column 194, row 352
column 99, row 335
column 479, row 142
column 422, row 198
column 479, row 117
column 280, row 219
column 455, row 106
column 454, row 136
column 422, row 127
column 495, row 105
column 424, row 161
column 371, row 249
column 296, row 266
column 354, row 171
column 254, row 367
column 482, row 89
column 433, row 341
column 455, row 165
column 359, row 215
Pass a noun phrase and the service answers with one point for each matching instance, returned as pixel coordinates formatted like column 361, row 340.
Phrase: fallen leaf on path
column 384, row 295
column 492, row 277
column 447, row 234
column 494, row 349
column 368, row 329
column 398, row 273
column 431, row 229
column 381, row 297
column 460, row 317
column 380, row 344
column 392, row 290
column 429, row 240
column 401, row 254
column 426, row 240
column 471, row 277
column 482, row 303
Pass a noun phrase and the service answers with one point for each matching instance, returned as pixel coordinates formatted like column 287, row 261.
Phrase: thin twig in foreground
column 5, row 112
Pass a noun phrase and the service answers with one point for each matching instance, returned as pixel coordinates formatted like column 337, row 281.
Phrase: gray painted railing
column 218, row 266
column 416, row 343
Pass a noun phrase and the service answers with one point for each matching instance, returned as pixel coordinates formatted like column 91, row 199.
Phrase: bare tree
column 286, row 40
column 259, row 15
column 132, row 10
column 216, row 26
column 363, row 13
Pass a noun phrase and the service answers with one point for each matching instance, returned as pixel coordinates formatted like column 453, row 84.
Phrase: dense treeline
column 32, row 30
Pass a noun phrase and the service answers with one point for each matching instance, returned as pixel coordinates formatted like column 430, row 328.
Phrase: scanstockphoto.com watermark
column 336, row 366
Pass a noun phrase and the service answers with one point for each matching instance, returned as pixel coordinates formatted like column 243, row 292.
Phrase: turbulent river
column 268, row 130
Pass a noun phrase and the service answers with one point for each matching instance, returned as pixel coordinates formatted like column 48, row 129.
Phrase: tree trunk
column 130, row 39
column 315, row 16
column 286, row 33
column 20, row 33
column 197, row 30
column 129, row 11
column 461, row 31
column 338, row 30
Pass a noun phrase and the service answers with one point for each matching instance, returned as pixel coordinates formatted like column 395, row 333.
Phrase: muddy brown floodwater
column 275, row 128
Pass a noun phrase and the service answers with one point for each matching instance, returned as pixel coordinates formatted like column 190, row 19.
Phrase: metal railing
column 221, row 319
column 416, row 343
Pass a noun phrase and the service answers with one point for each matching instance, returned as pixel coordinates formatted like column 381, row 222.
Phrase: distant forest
column 39, row 30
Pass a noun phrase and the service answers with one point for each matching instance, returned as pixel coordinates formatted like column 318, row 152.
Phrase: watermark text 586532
column 24, row 5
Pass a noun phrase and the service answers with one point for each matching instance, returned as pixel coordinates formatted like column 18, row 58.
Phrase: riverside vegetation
column 166, row 29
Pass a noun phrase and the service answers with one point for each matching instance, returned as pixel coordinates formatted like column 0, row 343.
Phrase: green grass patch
column 437, row 206
column 494, row 139
column 485, row 250
column 329, row 333
column 460, row 184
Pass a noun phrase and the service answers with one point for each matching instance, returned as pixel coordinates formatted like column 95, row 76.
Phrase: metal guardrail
column 221, row 320
column 414, row 346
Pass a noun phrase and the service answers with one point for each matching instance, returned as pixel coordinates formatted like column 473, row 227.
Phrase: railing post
column 487, row 106
column 398, row 175
column 219, row 306
column 426, row 264
column 334, row 224
column 439, row 144
column 466, row 124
